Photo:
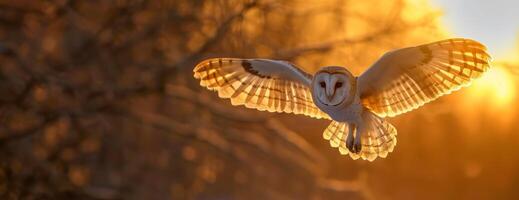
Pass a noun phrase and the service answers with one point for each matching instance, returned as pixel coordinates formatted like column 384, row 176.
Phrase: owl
column 398, row 82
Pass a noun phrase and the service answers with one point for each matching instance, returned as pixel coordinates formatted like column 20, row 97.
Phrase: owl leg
column 350, row 139
column 357, row 143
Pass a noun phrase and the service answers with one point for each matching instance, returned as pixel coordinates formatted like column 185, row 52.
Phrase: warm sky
column 493, row 22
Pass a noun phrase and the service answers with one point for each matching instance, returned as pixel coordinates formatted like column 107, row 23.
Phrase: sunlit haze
column 491, row 22
column 496, row 83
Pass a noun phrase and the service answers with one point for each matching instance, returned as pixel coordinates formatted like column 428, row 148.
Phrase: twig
column 219, row 34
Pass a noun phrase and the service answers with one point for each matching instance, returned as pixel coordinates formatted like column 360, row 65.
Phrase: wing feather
column 274, row 86
column 405, row 79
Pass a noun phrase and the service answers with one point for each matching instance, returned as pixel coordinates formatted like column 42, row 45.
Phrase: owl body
column 400, row 81
column 349, row 113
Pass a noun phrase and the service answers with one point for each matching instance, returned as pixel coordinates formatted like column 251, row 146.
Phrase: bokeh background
column 97, row 101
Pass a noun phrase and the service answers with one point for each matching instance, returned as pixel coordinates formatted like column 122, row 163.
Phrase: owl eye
column 338, row 85
column 323, row 85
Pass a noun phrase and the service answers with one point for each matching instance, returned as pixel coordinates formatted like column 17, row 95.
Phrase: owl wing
column 405, row 79
column 271, row 85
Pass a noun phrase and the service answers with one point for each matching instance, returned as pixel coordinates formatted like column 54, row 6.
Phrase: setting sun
column 496, row 84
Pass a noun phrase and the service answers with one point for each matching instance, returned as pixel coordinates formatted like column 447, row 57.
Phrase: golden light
column 496, row 86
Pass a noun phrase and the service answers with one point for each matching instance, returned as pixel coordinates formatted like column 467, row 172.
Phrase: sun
column 496, row 85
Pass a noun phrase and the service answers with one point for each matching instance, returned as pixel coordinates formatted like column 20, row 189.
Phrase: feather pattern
column 270, row 85
column 378, row 137
column 405, row 79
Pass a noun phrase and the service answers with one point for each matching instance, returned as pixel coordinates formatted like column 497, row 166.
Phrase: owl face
column 332, row 85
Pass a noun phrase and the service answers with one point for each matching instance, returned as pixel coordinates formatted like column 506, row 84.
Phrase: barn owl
column 399, row 81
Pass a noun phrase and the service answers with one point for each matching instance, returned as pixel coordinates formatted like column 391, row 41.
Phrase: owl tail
column 378, row 137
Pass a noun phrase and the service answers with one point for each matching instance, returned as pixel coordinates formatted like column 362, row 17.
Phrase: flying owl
column 400, row 81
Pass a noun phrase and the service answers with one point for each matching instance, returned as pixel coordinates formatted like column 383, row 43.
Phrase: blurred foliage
column 97, row 101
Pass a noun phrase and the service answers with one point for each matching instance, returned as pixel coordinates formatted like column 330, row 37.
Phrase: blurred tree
column 97, row 99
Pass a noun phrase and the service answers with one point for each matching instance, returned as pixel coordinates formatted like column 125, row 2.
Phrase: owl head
column 333, row 86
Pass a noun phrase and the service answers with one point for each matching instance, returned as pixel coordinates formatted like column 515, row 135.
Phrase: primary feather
column 405, row 79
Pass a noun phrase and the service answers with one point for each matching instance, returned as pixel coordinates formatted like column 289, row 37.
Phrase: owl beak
column 329, row 95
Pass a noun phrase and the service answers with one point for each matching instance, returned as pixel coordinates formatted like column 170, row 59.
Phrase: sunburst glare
column 496, row 86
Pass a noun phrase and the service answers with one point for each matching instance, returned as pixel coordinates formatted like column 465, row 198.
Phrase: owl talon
column 349, row 143
column 357, row 145
column 350, row 140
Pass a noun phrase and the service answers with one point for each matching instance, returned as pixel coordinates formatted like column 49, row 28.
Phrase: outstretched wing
column 275, row 86
column 405, row 79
